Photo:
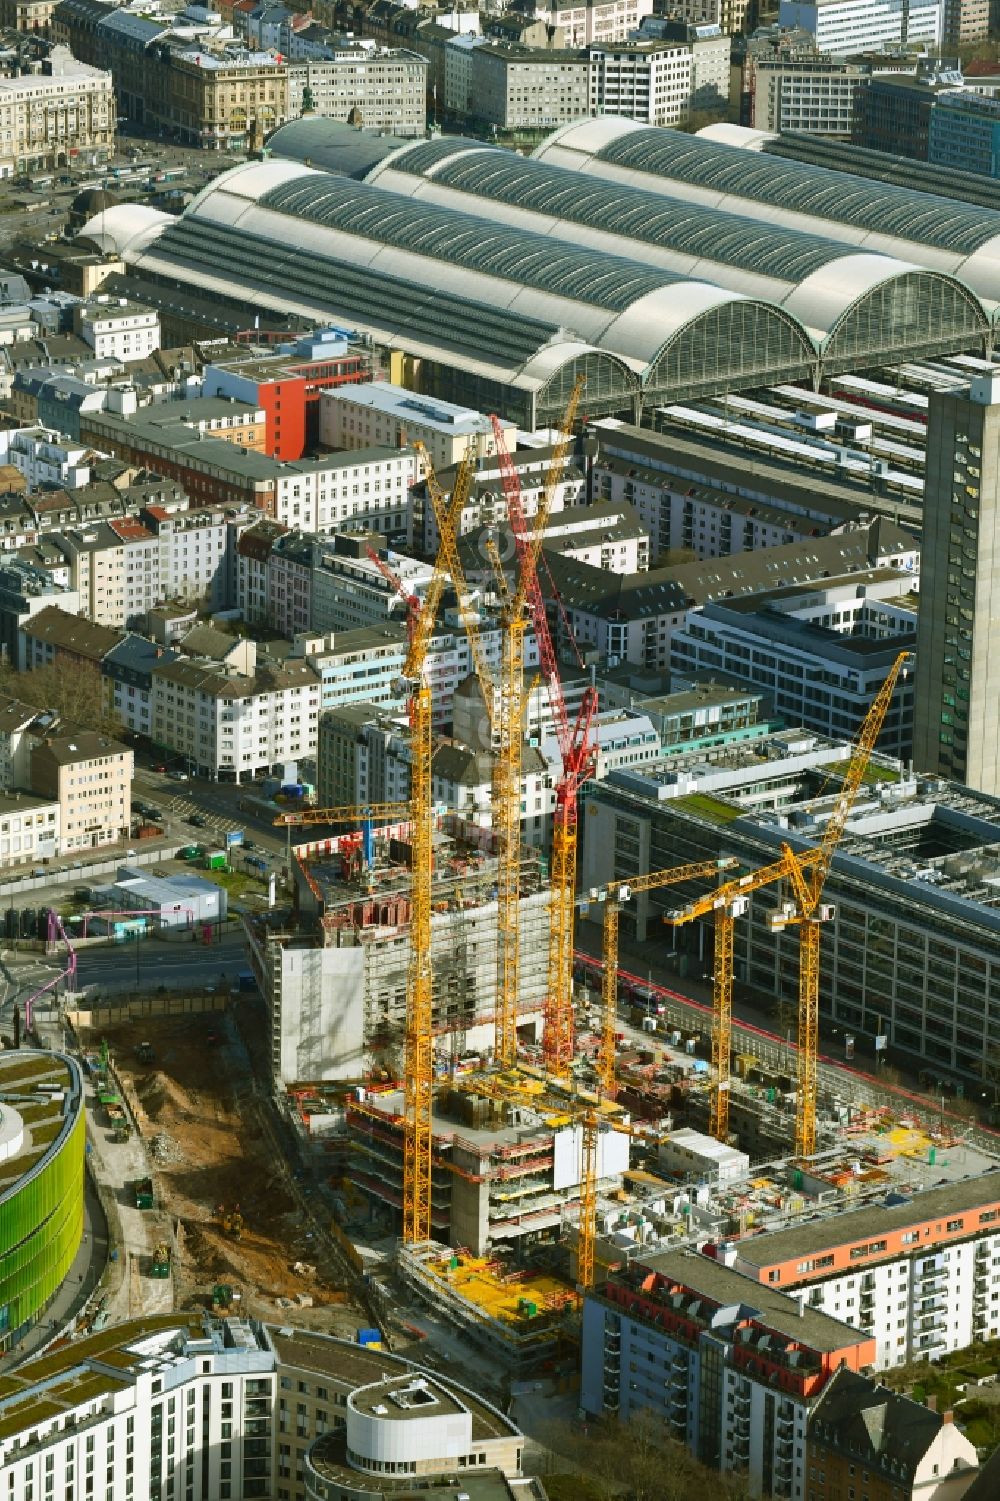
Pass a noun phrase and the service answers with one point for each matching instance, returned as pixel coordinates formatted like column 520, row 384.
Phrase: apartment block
column 521, row 88
column 919, row 1278
column 897, row 1449
column 25, row 591
column 47, row 459
column 487, row 512
column 231, row 724
column 660, row 82
column 29, row 829
column 818, row 95
column 90, row 777
column 595, row 21
column 733, row 1370
column 729, row 15
column 232, row 1408
column 631, row 617
column 353, row 761
column 116, row 328
column 68, row 110
column 364, row 665
column 288, row 385
column 963, row 21
column 53, row 634
column 311, row 495
column 378, row 88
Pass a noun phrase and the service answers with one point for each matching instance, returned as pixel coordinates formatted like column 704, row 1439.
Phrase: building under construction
column 336, row 983
column 507, row 1157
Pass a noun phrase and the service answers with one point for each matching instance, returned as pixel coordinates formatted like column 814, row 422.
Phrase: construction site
column 462, row 1093
column 223, row 1225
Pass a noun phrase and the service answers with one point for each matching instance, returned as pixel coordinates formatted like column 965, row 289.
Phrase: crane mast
column 574, row 745
column 810, row 912
column 418, row 1047
column 614, row 896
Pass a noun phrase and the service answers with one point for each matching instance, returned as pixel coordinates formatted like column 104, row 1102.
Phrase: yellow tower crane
column 614, row 896
column 728, row 902
column 806, row 872
column 809, row 910
column 527, row 606
column 418, row 1049
column 506, row 783
column 617, row 894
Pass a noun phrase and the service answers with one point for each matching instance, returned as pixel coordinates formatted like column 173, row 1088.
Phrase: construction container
column 216, row 860
column 371, row 1339
column 143, row 1190
column 161, row 1261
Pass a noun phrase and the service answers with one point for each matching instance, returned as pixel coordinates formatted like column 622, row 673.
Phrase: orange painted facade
column 922, row 1235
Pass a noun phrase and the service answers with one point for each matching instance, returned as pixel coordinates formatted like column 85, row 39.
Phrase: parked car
column 176, row 775
column 197, row 820
column 153, row 813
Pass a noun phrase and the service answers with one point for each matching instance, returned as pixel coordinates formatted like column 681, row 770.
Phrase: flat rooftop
column 420, row 411
column 841, row 1229
column 406, row 1398
column 767, row 1306
column 350, row 1366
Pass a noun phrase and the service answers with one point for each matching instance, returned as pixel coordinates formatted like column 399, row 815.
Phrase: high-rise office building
column 957, row 713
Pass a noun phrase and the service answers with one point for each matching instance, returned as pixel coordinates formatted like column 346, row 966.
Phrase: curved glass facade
column 744, row 342
column 41, row 1224
column 915, row 314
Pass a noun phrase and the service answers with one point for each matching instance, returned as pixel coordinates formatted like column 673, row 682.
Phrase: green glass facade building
column 41, row 1183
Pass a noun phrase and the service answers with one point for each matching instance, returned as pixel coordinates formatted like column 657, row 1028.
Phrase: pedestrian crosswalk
column 183, row 807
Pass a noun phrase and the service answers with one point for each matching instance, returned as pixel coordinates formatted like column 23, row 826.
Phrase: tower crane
column 506, row 785
column 616, row 895
column 418, row 1051
column 806, row 871
column 809, row 910
column 728, row 902
column 574, row 740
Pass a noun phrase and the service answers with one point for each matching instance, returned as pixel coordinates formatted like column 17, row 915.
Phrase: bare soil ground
column 206, row 1131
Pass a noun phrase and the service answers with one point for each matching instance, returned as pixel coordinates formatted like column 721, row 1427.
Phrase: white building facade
column 612, row 21
column 231, row 725
column 660, row 83
column 852, row 26
column 118, row 329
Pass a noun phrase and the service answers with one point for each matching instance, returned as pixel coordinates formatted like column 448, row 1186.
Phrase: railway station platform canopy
column 853, row 305
column 497, row 280
column 726, row 168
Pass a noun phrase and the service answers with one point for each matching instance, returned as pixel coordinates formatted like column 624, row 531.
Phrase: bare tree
column 76, row 691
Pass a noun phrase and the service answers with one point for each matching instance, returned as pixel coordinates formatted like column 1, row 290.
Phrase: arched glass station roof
column 618, row 304
column 930, row 229
column 830, row 288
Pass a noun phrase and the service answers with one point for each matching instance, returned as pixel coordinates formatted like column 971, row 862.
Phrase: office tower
column 957, row 713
